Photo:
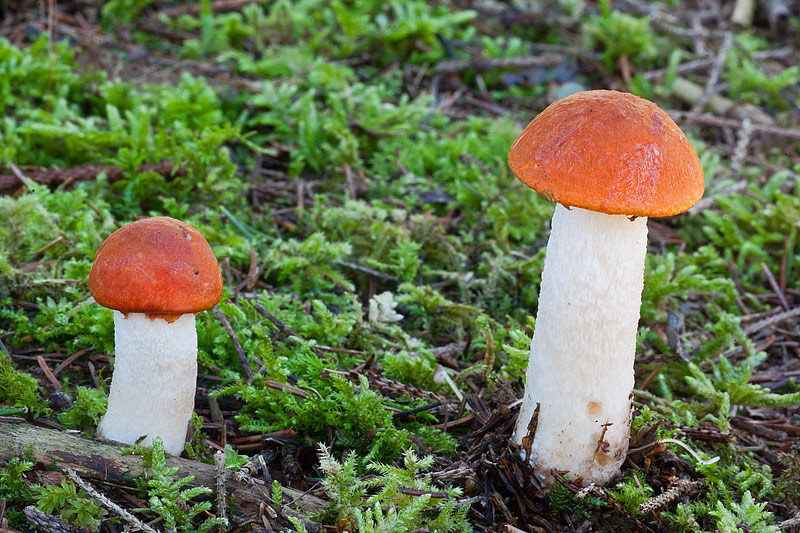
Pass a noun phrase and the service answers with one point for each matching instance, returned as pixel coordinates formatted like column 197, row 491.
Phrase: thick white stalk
column 154, row 380
column 580, row 371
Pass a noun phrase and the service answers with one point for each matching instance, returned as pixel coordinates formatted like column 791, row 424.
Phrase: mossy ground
column 347, row 163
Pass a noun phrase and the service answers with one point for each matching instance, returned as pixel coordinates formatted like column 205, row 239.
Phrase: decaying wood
column 102, row 461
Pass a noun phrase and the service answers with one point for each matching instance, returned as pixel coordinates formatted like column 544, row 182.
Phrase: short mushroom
column 156, row 273
column 610, row 160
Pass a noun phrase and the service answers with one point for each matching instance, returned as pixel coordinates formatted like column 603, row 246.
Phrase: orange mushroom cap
column 158, row 266
column 609, row 152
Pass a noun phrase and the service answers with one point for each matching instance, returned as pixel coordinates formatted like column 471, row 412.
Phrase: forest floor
column 346, row 161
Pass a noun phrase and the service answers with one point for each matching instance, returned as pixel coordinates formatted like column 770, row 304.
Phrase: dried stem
column 219, row 462
column 53, row 177
column 236, row 344
column 108, row 504
column 656, row 503
column 716, row 70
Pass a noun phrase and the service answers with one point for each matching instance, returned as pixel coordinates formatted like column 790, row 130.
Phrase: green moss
column 622, row 34
column 19, row 390
column 388, row 507
column 87, row 409
column 16, row 489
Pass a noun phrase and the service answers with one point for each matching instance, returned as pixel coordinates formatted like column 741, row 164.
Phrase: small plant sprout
column 155, row 273
column 441, row 375
column 682, row 445
column 610, row 160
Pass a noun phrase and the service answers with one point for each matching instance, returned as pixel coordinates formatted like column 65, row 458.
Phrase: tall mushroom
column 156, row 273
column 610, row 160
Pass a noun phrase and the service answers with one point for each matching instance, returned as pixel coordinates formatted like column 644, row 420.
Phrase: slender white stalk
column 581, row 366
column 155, row 375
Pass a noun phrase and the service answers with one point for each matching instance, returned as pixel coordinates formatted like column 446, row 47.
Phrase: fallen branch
column 127, row 517
column 61, row 177
column 102, row 461
column 692, row 93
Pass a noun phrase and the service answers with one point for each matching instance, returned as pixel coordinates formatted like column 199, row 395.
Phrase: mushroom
column 610, row 160
column 156, row 273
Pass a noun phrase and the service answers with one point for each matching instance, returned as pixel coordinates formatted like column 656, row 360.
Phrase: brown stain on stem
column 593, row 408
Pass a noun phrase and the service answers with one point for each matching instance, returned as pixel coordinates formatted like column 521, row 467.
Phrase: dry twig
column 482, row 64
column 219, row 463
column 286, row 330
column 786, row 52
column 656, row 503
column 236, row 344
column 739, row 152
column 716, row 70
column 127, row 517
column 722, row 122
column 774, row 319
column 60, row 177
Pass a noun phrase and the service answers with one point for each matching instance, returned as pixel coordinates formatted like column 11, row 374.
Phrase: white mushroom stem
column 580, row 372
column 154, row 380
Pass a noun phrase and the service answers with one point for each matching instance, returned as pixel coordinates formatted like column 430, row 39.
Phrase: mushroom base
column 580, row 371
column 154, row 380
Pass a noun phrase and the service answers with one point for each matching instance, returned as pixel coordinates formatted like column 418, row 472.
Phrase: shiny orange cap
column 158, row 266
column 610, row 152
